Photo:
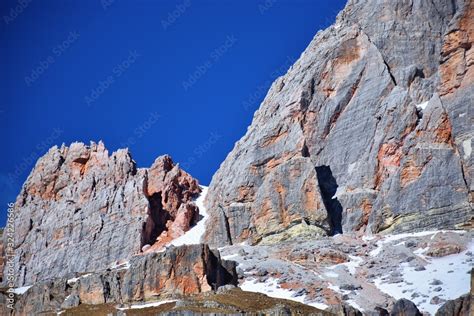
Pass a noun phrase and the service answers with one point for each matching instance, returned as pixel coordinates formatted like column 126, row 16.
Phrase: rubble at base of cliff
column 333, row 274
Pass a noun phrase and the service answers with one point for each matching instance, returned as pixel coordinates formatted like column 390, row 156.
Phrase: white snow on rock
column 194, row 235
column 467, row 147
column 72, row 281
column 422, row 106
column 271, row 288
column 21, row 290
column 120, row 266
column 351, row 265
column 390, row 238
column 451, row 272
column 146, row 305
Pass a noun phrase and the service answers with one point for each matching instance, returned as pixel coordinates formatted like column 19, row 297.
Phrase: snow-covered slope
column 194, row 235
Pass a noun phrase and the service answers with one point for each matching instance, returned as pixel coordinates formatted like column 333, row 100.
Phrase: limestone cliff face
column 370, row 130
column 82, row 210
column 179, row 271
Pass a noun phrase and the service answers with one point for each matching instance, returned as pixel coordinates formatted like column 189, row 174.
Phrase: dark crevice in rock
column 106, row 290
column 218, row 272
column 390, row 72
column 156, row 221
column 463, row 173
column 100, row 228
column 342, row 105
column 328, row 187
column 81, row 161
column 227, row 225
column 307, row 95
column 305, row 151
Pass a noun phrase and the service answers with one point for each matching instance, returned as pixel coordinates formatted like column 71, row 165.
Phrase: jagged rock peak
column 82, row 209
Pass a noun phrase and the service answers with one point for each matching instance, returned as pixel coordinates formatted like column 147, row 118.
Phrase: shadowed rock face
column 81, row 210
column 405, row 307
column 458, row 307
column 328, row 188
column 384, row 99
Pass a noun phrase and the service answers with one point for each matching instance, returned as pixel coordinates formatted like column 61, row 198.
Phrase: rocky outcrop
column 82, row 210
column 345, row 310
column 367, row 131
column 457, row 307
column 176, row 272
column 404, row 307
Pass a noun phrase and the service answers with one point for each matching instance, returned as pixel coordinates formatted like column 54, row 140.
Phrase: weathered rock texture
column 370, row 130
column 404, row 307
column 82, row 210
column 457, row 307
column 179, row 271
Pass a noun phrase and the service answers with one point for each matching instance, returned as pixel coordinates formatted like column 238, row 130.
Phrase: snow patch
column 235, row 255
column 368, row 238
column 146, row 305
column 194, row 235
column 120, row 266
column 351, row 167
column 467, row 147
column 422, row 106
column 331, row 274
column 355, row 305
column 351, row 265
column 271, row 288
column 21, row 290
column 452, row 271
column 391, row 238
column 72, row 281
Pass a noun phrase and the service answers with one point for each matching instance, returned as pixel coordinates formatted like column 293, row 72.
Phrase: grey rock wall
column 382, row 99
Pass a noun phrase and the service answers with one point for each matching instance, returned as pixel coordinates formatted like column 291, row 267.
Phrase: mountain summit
column 350, row 194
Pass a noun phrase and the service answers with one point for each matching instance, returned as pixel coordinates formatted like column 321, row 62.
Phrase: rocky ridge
column 82, row 210
column 175, row 272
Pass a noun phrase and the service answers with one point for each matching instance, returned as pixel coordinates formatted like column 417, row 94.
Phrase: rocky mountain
column 369, row 131
column 82, row 210
column 350, row 194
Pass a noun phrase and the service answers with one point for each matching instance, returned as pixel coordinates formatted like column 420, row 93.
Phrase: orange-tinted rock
column 178, row 271
column 82, row 209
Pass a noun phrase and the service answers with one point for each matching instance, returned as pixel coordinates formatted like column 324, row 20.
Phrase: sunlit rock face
column 382, row 101
column 82, row 210
column 185, row 270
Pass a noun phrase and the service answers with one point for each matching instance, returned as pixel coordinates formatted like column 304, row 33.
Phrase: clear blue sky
column 178, row 77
